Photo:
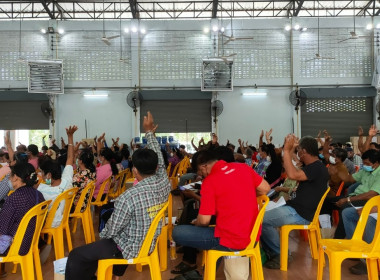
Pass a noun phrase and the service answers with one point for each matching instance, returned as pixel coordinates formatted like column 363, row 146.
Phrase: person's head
column 32, row 150
column 248, row 153
column 350, row 152
column 371, row 160
column 374, row 146
column 107, row 156
column 21, row 148
column 23, row 174
column 307, row 147
column 231, row 147
column 86, row 160
column 338, row 155
column 224, row 153
column 51, row 171
column 145, row 163
column 320, row 153
column 205, row 161
column 19, row 157
column 44, row 149
column 263, row 152
column 124, row 154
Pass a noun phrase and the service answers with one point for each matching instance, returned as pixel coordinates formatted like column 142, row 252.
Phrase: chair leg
column 335, row 267
column 321, row 259
column 37, row 263
column 104, row 272
column 139, row 267
column 210, row 267
column 313, row 244
column 74, row 223
column 86, row 229
column 284, row 248
column 163, row 248
column 14, row 270
column 91, row 224
column 154, row 266
column 68, row 238
column 58, row 245
column 256, row 265
column 27, row 269
column 373, row 272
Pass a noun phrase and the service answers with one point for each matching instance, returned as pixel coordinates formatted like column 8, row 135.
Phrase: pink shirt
column 4, row 171
column 34, row 162
column 102, row 173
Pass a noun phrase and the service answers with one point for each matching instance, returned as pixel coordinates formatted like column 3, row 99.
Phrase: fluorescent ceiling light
column 304, row 29
column 95, row 95
column 126, row 30
column 134, row 29
column 222, row 29
column 255, row 92
column 378, row 26
column 143, row 31
column 206, row 30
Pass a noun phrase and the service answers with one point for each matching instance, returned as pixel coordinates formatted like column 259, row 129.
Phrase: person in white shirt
column 56, row 181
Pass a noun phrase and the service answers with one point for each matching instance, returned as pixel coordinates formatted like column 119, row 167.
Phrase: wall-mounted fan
column 134, row 100
column 216, row 109
column 46, row 109
column 297, row 98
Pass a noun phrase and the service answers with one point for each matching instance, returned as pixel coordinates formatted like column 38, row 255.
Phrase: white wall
column 245, row 116
column 111, row 115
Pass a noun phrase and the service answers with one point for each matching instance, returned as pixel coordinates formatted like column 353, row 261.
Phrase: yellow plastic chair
column 143, row 258
column 114, row 188
column 84, row 214
column 56, row 233
column 252, row 251
column 32, row 257
column 313, row 234
column 102, row 190
column 338, row 250
column 166, row 234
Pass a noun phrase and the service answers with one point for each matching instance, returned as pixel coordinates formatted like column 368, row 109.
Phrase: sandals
column 182, row 268
column 191, row 275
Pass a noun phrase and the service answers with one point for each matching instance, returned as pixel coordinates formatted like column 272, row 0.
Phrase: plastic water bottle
column 173, row 252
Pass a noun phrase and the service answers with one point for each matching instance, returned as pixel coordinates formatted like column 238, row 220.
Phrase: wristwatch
column 348, row 199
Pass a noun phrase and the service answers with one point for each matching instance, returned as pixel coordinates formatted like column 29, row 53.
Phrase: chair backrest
column 86, row 193
column 262, row 202
column 102, row 189
column 144, row 251
column 360, row 227
column 66, row 197
column 113, row 189
column 39, row 212
column 315, row 220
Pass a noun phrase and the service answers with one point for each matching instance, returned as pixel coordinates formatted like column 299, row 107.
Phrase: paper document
column 272, row 205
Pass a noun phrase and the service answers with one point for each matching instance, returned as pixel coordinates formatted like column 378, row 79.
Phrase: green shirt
column 369, row 181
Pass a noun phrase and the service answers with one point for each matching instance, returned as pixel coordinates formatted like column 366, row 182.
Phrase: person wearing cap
column 357, row 160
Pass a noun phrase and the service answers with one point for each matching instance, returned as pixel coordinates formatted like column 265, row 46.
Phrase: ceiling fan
column 353, row 35
column 105, row 39
column 317, row 55
column 232, row 38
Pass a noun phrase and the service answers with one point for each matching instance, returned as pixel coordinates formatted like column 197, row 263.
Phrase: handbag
column 5, row 242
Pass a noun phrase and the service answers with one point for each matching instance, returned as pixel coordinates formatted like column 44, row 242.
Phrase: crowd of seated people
column 300, row 171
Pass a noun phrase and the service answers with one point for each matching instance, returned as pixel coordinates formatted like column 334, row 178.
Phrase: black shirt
column 310, row 192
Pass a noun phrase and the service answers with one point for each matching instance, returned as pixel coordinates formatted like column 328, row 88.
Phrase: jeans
column 82, row 262
column 284, row 215
column 350, row 220
column 186, row 177
column 198, row 237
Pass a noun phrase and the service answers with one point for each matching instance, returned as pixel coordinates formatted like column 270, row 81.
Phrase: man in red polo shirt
column 229, row 192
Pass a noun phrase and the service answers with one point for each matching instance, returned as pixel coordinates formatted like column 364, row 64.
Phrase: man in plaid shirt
column 134, row 211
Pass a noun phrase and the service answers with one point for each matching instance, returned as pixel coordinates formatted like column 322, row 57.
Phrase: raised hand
column 291, row 143
column 372, row 131
column 360, row 131
column 262, row 134
column 148, row 123
column 70, row 131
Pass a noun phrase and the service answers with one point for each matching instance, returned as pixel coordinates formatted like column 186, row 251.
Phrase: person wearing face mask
column 337, row 170
column 264, row 160
column 133, row 213
column 23, row 177
column 300, row 209
column 369, row 179
column 56, row 181
column 86, row 173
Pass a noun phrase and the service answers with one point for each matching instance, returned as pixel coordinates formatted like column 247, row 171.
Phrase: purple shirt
column 14, row 209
